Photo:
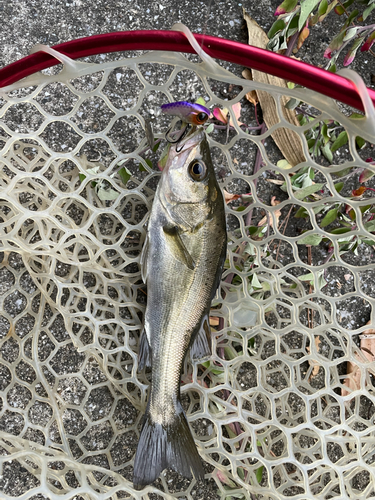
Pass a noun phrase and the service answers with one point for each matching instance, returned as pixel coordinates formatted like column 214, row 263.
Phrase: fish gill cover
column 284, row 408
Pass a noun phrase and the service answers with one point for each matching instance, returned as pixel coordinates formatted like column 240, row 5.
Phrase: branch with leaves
column 297, row 17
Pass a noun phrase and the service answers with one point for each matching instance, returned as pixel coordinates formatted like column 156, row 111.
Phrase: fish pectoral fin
column 177, row 247
column 143, row 260
column 144, row 355
column 201, row 346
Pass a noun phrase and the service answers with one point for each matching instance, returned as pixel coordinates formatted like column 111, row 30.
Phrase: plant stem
column 257, row 166
column 292, row 41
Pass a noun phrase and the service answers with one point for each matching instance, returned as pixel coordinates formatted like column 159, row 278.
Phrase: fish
column 181, row 262
column 195, row 114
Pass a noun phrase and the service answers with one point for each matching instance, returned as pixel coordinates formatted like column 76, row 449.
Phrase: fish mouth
column 190, row 141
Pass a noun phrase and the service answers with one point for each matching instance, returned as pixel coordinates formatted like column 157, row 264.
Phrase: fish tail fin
column 169, row 445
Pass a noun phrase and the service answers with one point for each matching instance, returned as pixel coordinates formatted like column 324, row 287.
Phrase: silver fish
column 182, row 262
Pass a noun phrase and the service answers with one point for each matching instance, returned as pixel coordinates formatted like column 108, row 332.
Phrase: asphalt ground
column 26, row 23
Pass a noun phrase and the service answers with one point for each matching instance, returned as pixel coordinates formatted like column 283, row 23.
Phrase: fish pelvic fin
column 169, row 445
column 144, row 356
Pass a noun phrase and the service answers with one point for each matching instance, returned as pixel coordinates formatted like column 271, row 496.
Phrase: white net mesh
column 272, row 411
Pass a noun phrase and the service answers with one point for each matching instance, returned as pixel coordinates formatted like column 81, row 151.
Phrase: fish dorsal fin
column 143, row 260
column 177, row 247
column 201, row 347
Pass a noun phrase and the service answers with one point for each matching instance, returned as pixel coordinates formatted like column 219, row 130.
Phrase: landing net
column 274, row 412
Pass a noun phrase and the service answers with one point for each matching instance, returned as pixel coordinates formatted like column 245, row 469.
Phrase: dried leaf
column 367, row 345
column 252, row 95
column 277, row 214
column 214, row 321
column 286, row 140
column 359, row 191
column 228, row 197
column 302, row 37
column 222, row 114
column 313, row 362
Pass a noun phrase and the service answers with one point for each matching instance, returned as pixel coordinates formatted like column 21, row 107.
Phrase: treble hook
column 180, row 137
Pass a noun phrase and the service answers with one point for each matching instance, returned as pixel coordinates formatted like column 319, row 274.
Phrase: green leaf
column 306, row 8
column 241, row 473
column 360, row 142
column 339, row 186
column 366, row 175
column 353, row 50
column 341, row 173
column 259, row 474
column 82, row 177
column 301, row 212
column 352, row 15
column 322, row 9
column 330, row 216
column 350, row 33
column 157, row 146
column 368, row 11
column 292, row 103
column 286, row 6
column 107, row 194
column 283, row 164
column 307, row 191
column 340, row 230
column 149, row 162
column 255, row 282
column 307, row 277
column 311, row 239
column 164, row 157
column 200, row 101
column 341, row 140
column 357, row 116
column 326, row 150
column 124, row 175
column 210, row 128
column 277, row 26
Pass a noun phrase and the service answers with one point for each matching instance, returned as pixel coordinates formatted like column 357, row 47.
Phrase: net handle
column 318, row 79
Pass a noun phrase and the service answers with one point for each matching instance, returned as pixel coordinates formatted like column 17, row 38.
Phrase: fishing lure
column 194, row 114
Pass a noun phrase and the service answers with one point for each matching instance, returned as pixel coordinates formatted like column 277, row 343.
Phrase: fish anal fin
column 201, row 346
column 177, row 247
column 144, row 355
column 161, row 446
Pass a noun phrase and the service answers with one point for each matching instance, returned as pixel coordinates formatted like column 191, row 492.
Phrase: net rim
column 299, row 72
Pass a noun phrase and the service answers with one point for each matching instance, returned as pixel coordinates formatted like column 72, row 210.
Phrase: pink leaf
column 328, row 53
column 366, row 175
column 368, row 43
column 279, row 11
column 218, row 114
column 222, row 114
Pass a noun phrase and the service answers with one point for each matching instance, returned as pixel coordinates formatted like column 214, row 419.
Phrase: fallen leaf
column 286, row 140
column 354, row 372
column 228, row 197
column 313, row 362
column 214, row 321
column 252, row 95
column 275, row 181
column 359, row 191
column 277, row 214
column 222, row 114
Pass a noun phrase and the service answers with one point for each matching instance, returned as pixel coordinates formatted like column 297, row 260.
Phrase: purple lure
column 187, row 112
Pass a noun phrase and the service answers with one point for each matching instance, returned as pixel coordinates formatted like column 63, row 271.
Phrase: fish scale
column 182, row 262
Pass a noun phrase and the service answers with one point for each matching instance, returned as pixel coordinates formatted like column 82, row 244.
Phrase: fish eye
column 201, row 117
column 197, row 170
